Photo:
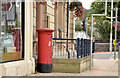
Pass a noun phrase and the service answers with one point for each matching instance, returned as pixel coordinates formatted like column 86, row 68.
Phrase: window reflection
column 10, row 33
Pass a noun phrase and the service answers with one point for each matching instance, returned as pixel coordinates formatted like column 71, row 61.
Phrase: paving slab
column 104, row 67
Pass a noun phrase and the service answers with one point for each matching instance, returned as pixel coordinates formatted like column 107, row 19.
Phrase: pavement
column 105, row 55
column 106, row 66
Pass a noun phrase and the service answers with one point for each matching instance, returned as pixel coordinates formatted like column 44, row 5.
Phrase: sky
column 86, row 3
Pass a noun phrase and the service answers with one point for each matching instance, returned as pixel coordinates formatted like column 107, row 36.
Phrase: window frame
column 23, row 34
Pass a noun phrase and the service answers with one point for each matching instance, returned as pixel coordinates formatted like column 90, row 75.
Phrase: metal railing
column 60, row 48
column 77, row 48
column 83, row 47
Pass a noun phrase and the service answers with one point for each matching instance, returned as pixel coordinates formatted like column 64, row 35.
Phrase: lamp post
column 111, row 26
column 116, row 9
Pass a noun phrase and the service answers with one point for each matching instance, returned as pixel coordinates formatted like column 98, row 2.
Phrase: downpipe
column 68, row 53
column 67, row 28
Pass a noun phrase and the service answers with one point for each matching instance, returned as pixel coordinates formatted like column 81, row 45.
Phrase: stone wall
column 103, row 47
column 71, row 65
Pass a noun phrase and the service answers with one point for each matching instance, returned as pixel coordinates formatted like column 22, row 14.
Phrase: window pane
column 11, row 31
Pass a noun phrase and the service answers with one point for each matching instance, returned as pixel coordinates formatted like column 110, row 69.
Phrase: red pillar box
column 17, row 38
column 44, row 50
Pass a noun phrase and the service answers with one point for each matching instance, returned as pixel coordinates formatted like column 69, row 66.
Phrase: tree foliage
column 104, row 29
column 99, row 8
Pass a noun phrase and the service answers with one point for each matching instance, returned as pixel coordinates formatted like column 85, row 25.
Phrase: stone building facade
column 26, row 65
column 53, row 16
column 36, row 16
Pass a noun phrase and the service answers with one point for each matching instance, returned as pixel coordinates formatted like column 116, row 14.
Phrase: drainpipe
column 67, row 27
column 59, row 33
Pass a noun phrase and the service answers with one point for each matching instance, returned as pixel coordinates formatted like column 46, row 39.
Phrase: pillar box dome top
column 45, row 30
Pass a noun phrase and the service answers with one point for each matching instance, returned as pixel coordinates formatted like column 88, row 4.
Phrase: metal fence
column 76, row 48
column 60, row 48
column 83, row 47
